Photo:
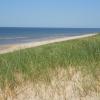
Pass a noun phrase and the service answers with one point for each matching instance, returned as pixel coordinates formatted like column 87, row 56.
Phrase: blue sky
column 50, row 13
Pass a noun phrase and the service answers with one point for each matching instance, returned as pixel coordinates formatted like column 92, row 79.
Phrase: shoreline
column 15, row 47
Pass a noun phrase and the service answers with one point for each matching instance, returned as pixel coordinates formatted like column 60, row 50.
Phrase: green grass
column 34, row 64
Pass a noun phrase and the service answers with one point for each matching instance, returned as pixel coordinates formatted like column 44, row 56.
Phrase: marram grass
column 34, row 64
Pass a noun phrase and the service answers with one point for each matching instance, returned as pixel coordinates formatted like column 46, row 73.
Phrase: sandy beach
column 14, row 47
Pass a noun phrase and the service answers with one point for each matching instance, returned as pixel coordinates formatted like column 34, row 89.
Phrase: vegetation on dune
column 34, row 64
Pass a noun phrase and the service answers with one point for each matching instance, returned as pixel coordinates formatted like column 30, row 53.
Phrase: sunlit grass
column 34, row 64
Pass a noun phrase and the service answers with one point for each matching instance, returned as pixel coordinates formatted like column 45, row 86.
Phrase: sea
column 16, row 35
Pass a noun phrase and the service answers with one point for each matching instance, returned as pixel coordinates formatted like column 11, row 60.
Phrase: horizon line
column 43, row 27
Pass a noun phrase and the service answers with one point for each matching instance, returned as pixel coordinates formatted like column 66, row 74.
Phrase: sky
column 50, row 13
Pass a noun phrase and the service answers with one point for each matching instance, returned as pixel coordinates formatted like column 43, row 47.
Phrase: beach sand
column 60, row 88
column 14, row 47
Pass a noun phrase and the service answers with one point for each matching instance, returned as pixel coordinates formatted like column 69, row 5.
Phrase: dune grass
column 34, row 64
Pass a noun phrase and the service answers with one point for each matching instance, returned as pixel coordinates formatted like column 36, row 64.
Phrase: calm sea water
column 11, row 35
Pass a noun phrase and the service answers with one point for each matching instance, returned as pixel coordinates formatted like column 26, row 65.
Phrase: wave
column 6, row 38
